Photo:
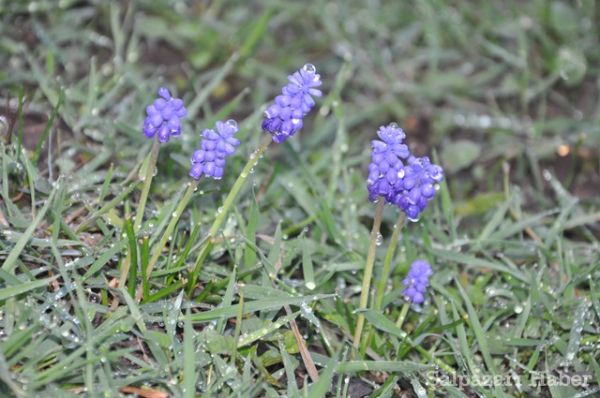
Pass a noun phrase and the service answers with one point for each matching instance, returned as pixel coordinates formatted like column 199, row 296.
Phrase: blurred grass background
column 503, row 94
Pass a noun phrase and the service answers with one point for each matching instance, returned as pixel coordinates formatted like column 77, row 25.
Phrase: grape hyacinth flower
column 163, row 119
column 387, row 167
column 209, row 161
column 164, row 116
column 416, row 281
column 399, row 178
column 216, row 145
column 283, row 118
column 418, row 186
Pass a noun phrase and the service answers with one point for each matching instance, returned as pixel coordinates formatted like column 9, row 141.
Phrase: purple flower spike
column 216, row 145
column 416, row 281
column 163, row 117
column 387, row 167
column 283, row 118
column 404, row 180
column 418, row 186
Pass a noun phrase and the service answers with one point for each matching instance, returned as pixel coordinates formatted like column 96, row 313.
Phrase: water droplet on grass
column 518, row 309
column 547, row 175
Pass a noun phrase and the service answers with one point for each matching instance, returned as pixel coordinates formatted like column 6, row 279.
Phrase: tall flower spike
column 417, row 187
column 283, row 118
column 387, row 166
column 164, row 116
column 416, row 281
column 209, row 160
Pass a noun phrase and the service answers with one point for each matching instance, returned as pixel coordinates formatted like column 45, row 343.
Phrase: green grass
column 503, row 94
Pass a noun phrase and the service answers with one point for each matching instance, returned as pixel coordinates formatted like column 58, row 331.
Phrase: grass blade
column 15, row 290
column 11, row 260
column 189, row 359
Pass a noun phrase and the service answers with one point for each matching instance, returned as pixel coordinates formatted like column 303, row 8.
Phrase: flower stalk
column 368, row 272
column 402, row 315
column 187, row 196
column 146, row 174
column 223, row 211
column 384, row 277
column 387, row 262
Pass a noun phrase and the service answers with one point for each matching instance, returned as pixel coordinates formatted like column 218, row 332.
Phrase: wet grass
column 503, row 94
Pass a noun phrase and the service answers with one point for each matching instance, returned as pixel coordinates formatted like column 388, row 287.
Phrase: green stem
column 368, row 273
column 150, row 166
column 402, row 315
column 389, row 256
column 384, row 277
column 171, row 227
column 224, row 210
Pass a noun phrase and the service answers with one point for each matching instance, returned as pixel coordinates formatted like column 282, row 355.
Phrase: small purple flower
column 283, row 118
column 417, row 187
column 164, row 116
column 398, row 177
column 209, row 160
column 416, row 281
column 387, row 166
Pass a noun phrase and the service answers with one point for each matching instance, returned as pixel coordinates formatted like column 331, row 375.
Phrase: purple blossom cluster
column 398, row 177
column 416, row 281
column 216, row 145
column 418, row 187
column 387, row 166
column 283, row 118
column 163, row 116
